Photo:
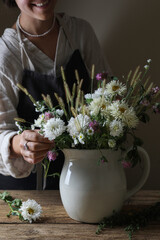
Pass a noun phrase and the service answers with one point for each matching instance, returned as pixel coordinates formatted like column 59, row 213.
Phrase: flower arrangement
column 28, row 210
column 101, row 119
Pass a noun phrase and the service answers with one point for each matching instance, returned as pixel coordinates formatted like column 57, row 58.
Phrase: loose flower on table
column 28, row 210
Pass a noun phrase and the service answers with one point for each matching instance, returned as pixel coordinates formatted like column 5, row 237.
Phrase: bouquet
column 101, row 119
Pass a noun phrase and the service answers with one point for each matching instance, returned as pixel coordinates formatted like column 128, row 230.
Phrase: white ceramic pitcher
column 90, row 191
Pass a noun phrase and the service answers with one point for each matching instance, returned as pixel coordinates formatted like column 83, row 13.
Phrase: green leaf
column 88, row 101
column 54, row 175
column 17, row 202
column 20, row 217
column 14, row 214
column 133, row 156
column 131, row 220
column 114, row 78
column 5, row 196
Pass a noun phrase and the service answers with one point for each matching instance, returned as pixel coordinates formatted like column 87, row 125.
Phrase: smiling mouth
column 40, row 4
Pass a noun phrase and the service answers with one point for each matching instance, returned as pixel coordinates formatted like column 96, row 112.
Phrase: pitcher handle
column 144, row 176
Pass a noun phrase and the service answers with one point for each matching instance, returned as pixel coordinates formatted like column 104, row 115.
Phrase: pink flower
column 48, row 115
column 156, row 108
column 118, row 98
column 155, row 90
column 126, row 164
column 101, row 76
column 93, row 125
column 51, row 155
column 145, row 102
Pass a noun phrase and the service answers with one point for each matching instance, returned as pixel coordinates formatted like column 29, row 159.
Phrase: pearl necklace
column 34, row 35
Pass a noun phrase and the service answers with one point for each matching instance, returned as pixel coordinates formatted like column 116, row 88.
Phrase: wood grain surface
column 55, row 223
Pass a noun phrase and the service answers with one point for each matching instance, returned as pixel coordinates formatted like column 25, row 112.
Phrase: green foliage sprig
column 14, row 204
column 131, row 220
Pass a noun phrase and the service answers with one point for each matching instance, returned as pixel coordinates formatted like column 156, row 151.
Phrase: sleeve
column 17, row 167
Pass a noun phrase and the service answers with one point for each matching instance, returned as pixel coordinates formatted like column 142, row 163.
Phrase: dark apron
column 37, row 84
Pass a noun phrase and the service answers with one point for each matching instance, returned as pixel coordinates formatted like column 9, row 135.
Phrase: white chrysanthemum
column 95, row 106
column 78, row 124
column 39, row 107
column 117, row 109
column 72, row 128
column 54, row 128
column 99, row 106
column 81, row 138
column 104, row 109
column 59, row 112
column 129, row 118
column 39, row 120
column 98, row 93
column 111, row 143
column 115, row 87
column 121, row 110
column 116, row 128
column 90, row 131
column 30, row 210
column 106, row 122
column 88, row 96
column 75, row 140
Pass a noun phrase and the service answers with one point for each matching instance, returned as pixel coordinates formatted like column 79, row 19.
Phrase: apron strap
column 24, row 56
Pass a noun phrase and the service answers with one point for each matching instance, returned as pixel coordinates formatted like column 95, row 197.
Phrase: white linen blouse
column 15, row 55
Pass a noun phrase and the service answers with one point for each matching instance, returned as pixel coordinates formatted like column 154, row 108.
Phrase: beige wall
column 128, row 31
column 7, row 17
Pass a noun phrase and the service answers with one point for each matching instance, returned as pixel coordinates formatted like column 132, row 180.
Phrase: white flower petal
column 78, row 124
column 116, row 128
column 30, row 210
column 53, row 128
column 115, row 87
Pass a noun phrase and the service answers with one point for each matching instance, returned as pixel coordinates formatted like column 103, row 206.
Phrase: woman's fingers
column 34, row 136
column 34, row 147
column 34, row 157
column 38, row 146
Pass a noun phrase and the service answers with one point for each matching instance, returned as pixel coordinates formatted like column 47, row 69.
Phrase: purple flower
column 155, row 90
column 156, row 108
column 48, row 115
column 101, row 76
column 126, row 164
column 145, row 102
column 51, row 155
column 94, row 125
column 103, row 159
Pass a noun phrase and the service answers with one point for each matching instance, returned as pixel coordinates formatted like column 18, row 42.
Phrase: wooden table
column 55, row 224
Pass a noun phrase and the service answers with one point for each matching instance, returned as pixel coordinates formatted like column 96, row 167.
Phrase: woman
column 31, row 53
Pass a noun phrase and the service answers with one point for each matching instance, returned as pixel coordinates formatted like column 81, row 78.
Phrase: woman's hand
column 31, row 146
